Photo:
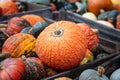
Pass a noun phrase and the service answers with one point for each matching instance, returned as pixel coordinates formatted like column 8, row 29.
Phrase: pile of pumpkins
column 106, row 12
column 38, row 49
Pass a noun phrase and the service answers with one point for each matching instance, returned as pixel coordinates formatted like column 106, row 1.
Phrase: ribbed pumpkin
column 18, row 44
column 61, row 45
column 92, row 38
column 3, row 38
column 12, row 69
column 9, row 8
column 33, row 19
column 16, row 24
column 34, row 69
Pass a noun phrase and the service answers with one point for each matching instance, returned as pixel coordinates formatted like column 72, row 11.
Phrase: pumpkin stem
column 3, row 26
column 57, row 33
column 101, row 70
column 96, row 31
column 4, row 56
column 23, row 57
column 1, row 67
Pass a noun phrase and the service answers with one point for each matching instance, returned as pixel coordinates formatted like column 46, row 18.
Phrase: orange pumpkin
column 9, row 8
column 19, row 44
column 61, row 45
column 96, row 5
column 32, row 18
column 92, row 38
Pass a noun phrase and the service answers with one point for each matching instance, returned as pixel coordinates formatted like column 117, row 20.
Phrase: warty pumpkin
column 61, row 45
column 33, row 19
column 92, row 38
column 34, row 68
column 8, row 8
column 97, row 5
column 16, row 24
column 12, row 69
column 18, row 44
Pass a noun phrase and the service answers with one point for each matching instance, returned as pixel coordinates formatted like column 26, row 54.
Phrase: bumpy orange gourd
column 9, row 8
column 19, row 44
column 92, row 38
column 61, row 45
column 32, row 18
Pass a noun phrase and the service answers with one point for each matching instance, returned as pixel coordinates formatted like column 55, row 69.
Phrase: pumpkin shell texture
column 3, row 38
column 115, row 75
column 15, row 25
column 92, row 38
column 61, row 45
column 13, row 69
column 9, row 8
column 19, row 44
column 34, row 69
column 33, row 19
column 91, row 74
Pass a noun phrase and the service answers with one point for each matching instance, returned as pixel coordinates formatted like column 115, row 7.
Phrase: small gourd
column 91, row 74
column 34, row 68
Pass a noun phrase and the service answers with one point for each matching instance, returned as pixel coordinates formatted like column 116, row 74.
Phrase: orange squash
column 92, row 38
column 96, row 5
column 61, row 45
column 9, row 8
column 19, row 44
column 32, row 18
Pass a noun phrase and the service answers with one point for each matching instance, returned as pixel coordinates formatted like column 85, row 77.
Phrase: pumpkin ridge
column 29, row 46
column 17, row 50
column 21, row 74
column 8, row 74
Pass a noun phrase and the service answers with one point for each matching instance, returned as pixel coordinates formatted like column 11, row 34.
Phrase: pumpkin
column 0, row 11
column 12, row 69
column 96, row 6
column 115, row 75
column 25, row 30
column 118, row 21
column 92, row 38
column 3, row 38
column 18, row 44
column 115, row 3
column 90, row 15
column 9, row 8
column 63, row 78
column 33, row 19
column 15, row 25
column 88, row 57
column 106, row 23
column 91, row 74
column 61, row 45
column 37, row 28
column 34, row 68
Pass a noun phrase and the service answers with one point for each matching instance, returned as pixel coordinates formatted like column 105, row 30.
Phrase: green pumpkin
column 25, row 30
column 37, row 28
column 91, row 74
column 115, row 75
